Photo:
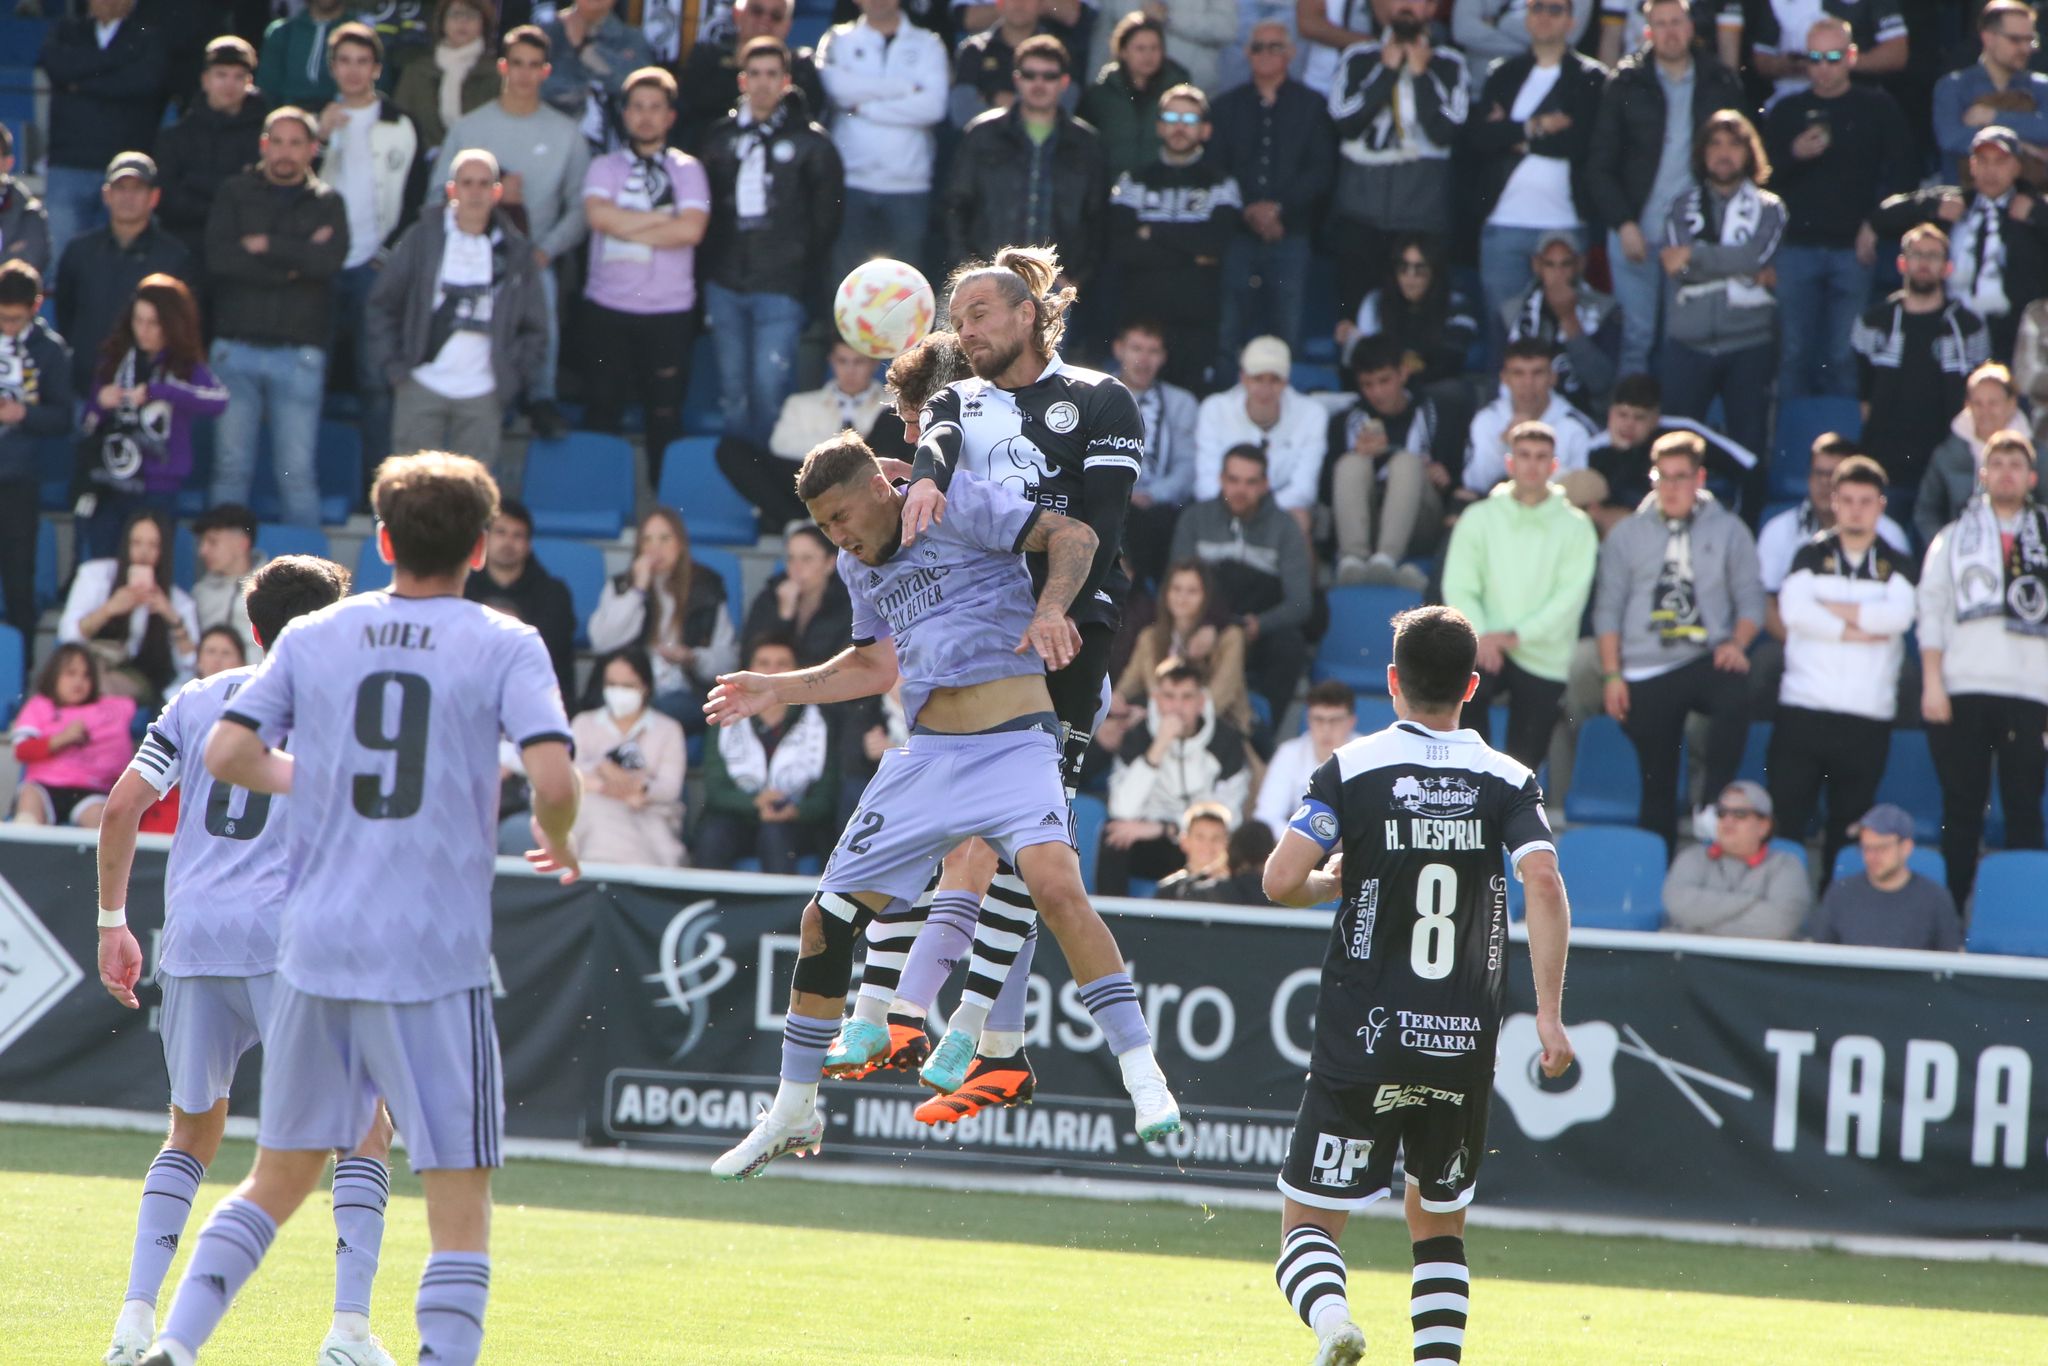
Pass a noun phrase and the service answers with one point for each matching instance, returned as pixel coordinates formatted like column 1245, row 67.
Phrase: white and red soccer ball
column 883, row 308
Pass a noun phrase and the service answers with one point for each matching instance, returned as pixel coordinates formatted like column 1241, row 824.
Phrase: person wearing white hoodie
column 1992, row 406
column 886, row 81
column 1265, row 410
column 1183, row 754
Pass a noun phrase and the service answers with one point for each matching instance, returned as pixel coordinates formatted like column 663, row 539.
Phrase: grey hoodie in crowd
column 1725, row 576
column 1715, row 303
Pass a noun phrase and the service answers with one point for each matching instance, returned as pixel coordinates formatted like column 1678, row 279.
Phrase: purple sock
column 1007, row 1017
column 229, row 1248
column 804, row 1041
column 362, row 1187
column 942, row 945
column 1113, row 1001
column 167, row 1194
column 454, row 1289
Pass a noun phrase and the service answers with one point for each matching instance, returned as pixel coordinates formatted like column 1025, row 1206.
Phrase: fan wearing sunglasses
column 1739, row 884
column 709, row 75
column 1776, row 33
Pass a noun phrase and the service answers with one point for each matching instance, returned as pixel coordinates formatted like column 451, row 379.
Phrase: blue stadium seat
column 1924, row 860
column 184, row 556
column 53, row 467
column 371, row 574
column 579, row 485
column 1311, row 378
column 337, row 466
column 1374, row 714
column 702, row 415
column 1800, row 420
column 47, row 584
column 692, row 483
column 1616, row 874
column 580, row 565
column 277, row 538
column 1090, row 815
column 13, row 661
column 728, row 566
column 1910, row 782
column 1792, row 847
column 1607, row 780
column 1143, row 888
column 1359, row 645
column 2005, row 914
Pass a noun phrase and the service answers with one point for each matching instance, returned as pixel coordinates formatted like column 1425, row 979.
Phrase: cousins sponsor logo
column 1365, row 913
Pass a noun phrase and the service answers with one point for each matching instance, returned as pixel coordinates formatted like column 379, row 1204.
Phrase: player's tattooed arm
column 1069, row 548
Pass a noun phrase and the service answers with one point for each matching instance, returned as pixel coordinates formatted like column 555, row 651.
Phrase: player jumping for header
column 955, row 615
column 1410, row 1004
column 223, row 901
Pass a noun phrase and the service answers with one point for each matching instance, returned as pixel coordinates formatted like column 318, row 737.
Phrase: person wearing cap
column 24, row 222
column 217, row 137
column 108, row 73
column 1581, row 325
column 1738, row 885
column 1529, row 133
column 1887, row 905
column 1983, row 629
column 1264, row 409
column 1839, row 149
column 1998, row 239
column 98, row 273
column 227, row 554
column 2000, row 87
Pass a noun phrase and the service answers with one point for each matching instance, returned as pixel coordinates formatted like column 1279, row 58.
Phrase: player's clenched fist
column 1557, row 1046
column 735, row 697
column 1055, row 637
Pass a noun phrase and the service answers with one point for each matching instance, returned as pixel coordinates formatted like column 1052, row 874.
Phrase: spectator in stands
column 1194, row 625
column 1169, row 224
column 1846, row 606
column 149, row 387
column 219, row 135
column 983, row 67
column 1204, row 849
column 141, row 627
column 1421, row 309
column 1166, row 483
column 709, row 75
column 226, row 547
column 1620, row 455
column 1030, row 173
column 373, row 158
column 294, row 68
column 887, row 80
column 1999, row 88
column 1332, row 715
column 1381, row 479
column 1122, row 104
column 1781, row 44
column 1264, row 409
column 1887, row 905
column 593, row 53
column 72, row 740
column 1494, row 32
column 1984, row 658
column 632, row 758
column 542, row 162
column 769, row 233
column 1737, row 884
column 1720, row 337
column 100, row 268
column 2030, row 363
column 1200, row 37
column 1530, row 131
column 1259, row 561
column 1641, row 162
column 1839, row 149
column 220, row 648
column 441, row 84
column 1953, row 471
column 513, row 579
column 1520, row 566
column 1528, row 382
column 457, row 321
column 768, row 784
column 1676, row 606
column 1399, row 107
column 24, row 222
column 648, row 206
column 1327, row 30
column 108, row 76
column 1913, row 352
column 1274, row 135
column 1182, row 753
column 675, row 609
column 1581, row 326
column 804, row 605
column 35, row 405
column 852, row 397
column 275, row 238
column 1999, row 253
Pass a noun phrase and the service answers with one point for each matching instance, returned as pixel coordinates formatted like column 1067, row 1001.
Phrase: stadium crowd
column 1694, row 350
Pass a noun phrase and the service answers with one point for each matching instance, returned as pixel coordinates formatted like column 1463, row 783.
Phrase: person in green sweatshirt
column 1521, row 567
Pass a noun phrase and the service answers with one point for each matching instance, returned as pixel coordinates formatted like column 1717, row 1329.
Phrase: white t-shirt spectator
column 1486, row 451
column 1294, row 445
column 358, row 185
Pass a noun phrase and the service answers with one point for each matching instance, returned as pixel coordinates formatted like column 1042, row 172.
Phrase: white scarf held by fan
column 1740, row 219
column 799, row 760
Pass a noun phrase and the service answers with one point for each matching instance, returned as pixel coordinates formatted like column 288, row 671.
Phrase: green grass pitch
column 602, row 1265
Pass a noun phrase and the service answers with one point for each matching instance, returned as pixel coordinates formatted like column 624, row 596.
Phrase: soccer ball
column 883, row 308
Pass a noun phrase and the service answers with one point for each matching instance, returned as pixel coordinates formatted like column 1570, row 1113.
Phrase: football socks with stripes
column 890, row 936
column 230, row 1247
column 362, row 1187
column 1003, row 1035
column 167, row 1194
column 804, row 1042
column 1113, row 1003
column 454, row 1289
column 1439, row 1300
column 1310, row 1273
column 942, row 945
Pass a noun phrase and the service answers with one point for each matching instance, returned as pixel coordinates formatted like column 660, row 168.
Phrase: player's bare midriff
column 980, row 706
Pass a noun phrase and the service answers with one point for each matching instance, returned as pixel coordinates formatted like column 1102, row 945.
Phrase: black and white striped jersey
column 1413, row 978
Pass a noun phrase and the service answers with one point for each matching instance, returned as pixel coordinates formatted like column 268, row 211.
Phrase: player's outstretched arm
column 867, row 670
column 120, row 956
column 1549, row 918
column 236, row 755
column 557, row 794
column 1300, row 873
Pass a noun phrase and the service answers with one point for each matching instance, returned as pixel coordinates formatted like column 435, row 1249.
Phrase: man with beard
column 1914, row 355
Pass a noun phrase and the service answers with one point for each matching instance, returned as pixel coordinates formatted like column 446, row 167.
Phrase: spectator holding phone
column 127, row 612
